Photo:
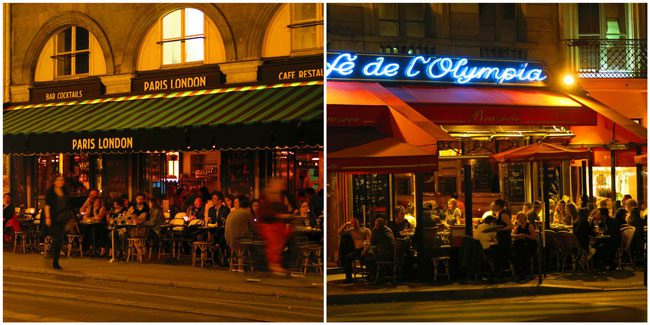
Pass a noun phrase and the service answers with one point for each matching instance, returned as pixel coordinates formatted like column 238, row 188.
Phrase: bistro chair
column 178, row 225
column 627, row 238
column 241, row 255
column 553, row 247
column 205, row 249
column 20, row 241
column 137, row 244
column 572, row 251
column 306, row 251
column 393, row 265
column 79, row 239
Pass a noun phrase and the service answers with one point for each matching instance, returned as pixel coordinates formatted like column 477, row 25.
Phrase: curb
column 479, row 293
column 178, row 284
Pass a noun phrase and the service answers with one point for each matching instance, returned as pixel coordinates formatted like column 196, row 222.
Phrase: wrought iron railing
column 609, row 58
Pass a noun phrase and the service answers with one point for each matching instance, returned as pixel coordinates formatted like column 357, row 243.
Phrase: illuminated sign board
column 427, row 68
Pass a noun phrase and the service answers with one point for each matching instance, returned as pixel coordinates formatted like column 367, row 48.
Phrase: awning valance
column 284, row 115
column 456, row 105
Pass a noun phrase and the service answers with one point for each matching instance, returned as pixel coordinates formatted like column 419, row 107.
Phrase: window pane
column 414, row 12
column 486, row 13
column 414, row 29
column 388, row 11
column 172, row 52
column 304, row 11
column 172, row 25
column 64, row 41
column 64, row 65
column 193, row 22
column 194, row 50
column 305, row 38
column 81, row 63
column 615, row 12
column 388, row 28
column 588, row 18
column 508, row 11
column 81, row 43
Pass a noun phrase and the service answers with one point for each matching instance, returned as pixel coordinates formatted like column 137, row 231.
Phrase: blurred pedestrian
column 58, row 211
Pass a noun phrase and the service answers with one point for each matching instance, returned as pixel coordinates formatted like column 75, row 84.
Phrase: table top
column 89, row 222
column 600, row 237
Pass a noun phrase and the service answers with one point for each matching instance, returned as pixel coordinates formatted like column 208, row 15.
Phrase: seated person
column 524, row 247
column 138, row 214
column 361, row 237
column 487, row 236
column 533, row 214
column 582, row 229
column 384, row 243
column 155, row 220
column 239, row 223
column 401, row 227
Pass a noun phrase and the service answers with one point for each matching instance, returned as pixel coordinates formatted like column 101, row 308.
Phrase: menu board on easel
column 371, row 191
column 237, row 172
column 514, row 183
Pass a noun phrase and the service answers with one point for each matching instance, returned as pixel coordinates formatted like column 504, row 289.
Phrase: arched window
column 70, row 53
column 296, row 29
column 183, row 37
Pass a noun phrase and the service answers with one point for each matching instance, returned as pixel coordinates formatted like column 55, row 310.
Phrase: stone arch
column 53, row 26
column 264, row 15
column 154, row 12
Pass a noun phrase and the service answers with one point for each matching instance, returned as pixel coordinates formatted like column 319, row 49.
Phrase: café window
column 183, row 37
column 407, row 20
column 306, row 26
column 72, row 51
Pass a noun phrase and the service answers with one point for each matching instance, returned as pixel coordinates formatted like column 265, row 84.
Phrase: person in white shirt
column 485, row 233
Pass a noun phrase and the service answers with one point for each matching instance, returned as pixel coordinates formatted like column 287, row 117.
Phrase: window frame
column 72, row 54
column 602, row 22
column 295, row 26
column 183, row 38
column 401, row 20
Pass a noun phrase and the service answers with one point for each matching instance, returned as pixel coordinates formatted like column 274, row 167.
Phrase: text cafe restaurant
column 402, row 128
column 175, row 127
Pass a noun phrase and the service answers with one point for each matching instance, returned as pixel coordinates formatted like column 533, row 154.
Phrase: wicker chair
column 627, row 238
column 394, row 265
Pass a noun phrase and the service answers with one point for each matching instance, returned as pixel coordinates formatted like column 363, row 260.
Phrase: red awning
column 540, row 152
column 367, row 150
column 369, row 104
column 455, row 105
column 628, row 129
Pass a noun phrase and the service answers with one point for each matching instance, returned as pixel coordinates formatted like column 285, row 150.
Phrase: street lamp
column 568, row 80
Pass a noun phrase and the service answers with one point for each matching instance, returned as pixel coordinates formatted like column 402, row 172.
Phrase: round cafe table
column 112, row 228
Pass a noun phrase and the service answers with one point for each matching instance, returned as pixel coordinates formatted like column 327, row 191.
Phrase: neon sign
column 424, row 68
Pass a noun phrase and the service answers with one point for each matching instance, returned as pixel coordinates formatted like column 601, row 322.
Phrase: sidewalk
column 309, row 287
column 360, row 292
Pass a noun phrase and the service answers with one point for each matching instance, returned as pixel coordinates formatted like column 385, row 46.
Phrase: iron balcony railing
column 609, row 58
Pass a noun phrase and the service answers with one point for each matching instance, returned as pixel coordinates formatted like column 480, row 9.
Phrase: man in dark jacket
column 383, row 240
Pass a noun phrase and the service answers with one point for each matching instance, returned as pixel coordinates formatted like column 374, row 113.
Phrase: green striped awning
column 243, row 105
column 262, row 110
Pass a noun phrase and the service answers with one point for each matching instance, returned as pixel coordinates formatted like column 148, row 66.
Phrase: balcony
column 609, row 58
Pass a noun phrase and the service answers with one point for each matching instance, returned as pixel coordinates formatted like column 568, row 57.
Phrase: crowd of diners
column 507, row 239
column 233, row 217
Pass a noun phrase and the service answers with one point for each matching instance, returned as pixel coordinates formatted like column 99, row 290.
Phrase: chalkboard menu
column 371, row 191
column 237, row 172
column 447, row 185
column 482, row 176
column 515, row 182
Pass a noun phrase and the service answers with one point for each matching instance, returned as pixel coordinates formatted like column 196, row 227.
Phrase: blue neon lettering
column 458, row 70
column 344, row 68
column 375, row 69
column 409, row 68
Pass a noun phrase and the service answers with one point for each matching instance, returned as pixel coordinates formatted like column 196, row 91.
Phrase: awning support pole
column 613, row 180
column 547, row 217
column 640, row 189
column 583, row 185
column 467, row 172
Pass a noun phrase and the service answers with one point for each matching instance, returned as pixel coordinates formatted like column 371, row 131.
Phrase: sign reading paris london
column 425, row 68
column 102, row 143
